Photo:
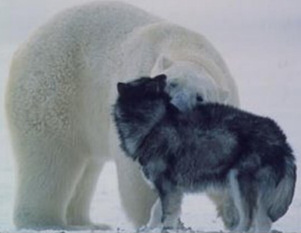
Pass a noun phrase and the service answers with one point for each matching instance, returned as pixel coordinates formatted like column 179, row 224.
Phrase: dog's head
column 144, row 88
column 140, row 105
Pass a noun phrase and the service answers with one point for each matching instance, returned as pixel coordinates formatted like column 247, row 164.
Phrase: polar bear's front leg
column 156, row 215
column 136, row 196
column 78, row 212
column 47, row 173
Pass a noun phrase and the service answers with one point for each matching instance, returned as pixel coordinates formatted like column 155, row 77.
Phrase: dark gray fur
column 195, row 151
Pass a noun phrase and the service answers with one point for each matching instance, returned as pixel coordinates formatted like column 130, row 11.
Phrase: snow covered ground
column 260, row 41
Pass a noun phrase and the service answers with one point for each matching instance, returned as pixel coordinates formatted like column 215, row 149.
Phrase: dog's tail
column 278, row 197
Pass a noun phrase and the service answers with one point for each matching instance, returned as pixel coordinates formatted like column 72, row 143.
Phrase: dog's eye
column 199, row 98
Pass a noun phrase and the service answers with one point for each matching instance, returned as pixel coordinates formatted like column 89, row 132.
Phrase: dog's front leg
column 171, row 199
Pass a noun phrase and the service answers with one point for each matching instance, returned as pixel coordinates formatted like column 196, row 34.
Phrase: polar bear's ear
column 162, row 63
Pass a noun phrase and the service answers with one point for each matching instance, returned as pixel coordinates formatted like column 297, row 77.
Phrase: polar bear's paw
column 102, row 227
column 91, row 227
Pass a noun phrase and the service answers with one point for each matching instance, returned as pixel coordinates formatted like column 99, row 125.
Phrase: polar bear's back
column 71, row 53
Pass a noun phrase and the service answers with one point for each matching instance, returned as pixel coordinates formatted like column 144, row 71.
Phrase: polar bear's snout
column 183, row 100
column 188, row 84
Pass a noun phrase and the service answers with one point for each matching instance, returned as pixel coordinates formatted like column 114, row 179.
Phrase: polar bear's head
column 188, row 83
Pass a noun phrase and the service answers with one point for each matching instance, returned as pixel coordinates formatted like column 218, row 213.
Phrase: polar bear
column 59, row 97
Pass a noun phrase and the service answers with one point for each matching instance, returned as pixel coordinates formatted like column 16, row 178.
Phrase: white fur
column 61, row 88
column 156, row 215
column 262, row 222
column 238, row 202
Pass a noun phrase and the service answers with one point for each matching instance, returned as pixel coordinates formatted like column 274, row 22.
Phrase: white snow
column 260, row 41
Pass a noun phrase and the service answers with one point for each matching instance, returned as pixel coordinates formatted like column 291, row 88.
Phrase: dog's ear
column 122, row 88
column 161, row 78
column 161, row 82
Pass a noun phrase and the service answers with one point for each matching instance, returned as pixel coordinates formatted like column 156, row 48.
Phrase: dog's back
column 254, row 146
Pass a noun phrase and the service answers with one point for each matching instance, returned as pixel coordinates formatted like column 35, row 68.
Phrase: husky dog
column 212, row 146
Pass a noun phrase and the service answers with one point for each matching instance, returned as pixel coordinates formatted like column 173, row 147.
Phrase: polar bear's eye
column 173, row 85
column 199, row 98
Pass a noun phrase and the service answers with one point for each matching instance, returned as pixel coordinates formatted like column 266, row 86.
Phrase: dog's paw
column 169, row 230
column 146, row 229
column 276, row 231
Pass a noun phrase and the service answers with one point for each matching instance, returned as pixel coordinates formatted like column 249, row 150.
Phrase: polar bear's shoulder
column 91, row 24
